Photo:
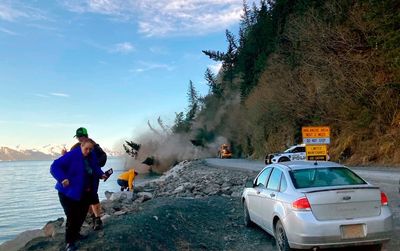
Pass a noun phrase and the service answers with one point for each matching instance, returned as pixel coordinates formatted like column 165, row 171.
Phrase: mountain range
column 46, row 152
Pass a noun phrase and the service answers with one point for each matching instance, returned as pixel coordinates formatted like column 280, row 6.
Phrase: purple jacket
column 71, row 166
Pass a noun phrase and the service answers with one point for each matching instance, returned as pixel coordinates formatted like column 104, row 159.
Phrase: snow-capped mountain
column 9, row 154
column 46, row 152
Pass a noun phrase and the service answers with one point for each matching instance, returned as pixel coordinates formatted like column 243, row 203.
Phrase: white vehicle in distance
column 297, row 152
column 316, row 205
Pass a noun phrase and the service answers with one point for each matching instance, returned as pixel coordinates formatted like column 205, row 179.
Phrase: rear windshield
column 323, row 177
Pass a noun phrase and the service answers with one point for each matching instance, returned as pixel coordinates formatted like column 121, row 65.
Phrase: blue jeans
column 123, row 183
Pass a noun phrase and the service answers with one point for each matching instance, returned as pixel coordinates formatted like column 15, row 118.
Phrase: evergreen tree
column 193, row 103
column 131, row 148
column 180, row 125
column 215, row 88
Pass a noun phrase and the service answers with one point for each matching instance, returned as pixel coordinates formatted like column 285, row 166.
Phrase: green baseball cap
column 81, row 132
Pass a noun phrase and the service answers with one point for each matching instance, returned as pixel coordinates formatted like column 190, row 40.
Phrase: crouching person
column 76, row 173
column 126, row 180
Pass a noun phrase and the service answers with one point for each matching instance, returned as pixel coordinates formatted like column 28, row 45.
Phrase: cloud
column 13, row 11
column 4, row 30
column 123, row 48
column 40, row 95
column 146, row 66
column 166, row 17
column 120, row 9
column 10, row 14
column 59, row 94
column 179, row 17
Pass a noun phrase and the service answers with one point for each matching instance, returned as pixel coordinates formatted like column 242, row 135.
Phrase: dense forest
column 301, row 63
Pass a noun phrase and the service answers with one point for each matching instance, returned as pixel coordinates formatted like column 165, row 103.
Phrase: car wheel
column 283, row 159
column 281, row 238
column 266, row 160
column 246, row 216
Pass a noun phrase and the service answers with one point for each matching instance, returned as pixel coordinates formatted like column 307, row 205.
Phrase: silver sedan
column 306, row 204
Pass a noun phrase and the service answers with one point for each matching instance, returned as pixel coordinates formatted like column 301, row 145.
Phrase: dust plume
column 168, row 148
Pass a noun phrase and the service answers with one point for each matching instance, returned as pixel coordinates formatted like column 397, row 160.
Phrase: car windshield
column 323, row 177
column 289, row 149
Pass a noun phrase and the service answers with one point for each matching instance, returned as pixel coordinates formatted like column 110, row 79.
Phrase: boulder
column 120, row 196
column 108, row 194
column 21, row 240
column 53, row 227
column 145, row 195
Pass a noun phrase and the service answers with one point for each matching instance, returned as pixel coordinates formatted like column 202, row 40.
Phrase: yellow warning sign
column 316, row 152
column 316, row 132
column 313, row 135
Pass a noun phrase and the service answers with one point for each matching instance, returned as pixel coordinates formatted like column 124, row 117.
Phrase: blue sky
column 107, row 65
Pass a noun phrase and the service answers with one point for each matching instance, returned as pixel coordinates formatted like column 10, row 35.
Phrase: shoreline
column 185, row 180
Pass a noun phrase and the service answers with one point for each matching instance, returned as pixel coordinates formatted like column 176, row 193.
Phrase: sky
column 107, row 65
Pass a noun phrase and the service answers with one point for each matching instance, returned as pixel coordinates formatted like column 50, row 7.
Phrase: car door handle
column 272, row 195
column 257, row 192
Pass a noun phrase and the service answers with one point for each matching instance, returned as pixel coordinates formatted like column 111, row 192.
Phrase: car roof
column 296, row 165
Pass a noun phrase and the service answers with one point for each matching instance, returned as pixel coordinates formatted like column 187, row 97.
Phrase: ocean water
column 28, row 199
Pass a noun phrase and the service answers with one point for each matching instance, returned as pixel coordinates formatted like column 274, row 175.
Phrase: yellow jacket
column 128, row 176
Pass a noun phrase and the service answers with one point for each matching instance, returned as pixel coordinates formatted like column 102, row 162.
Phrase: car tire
column 281, row 239
column 283, row 159
column 266, row 160
column 246, row 216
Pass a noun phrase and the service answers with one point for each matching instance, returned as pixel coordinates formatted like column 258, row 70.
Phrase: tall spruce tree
column 215, row 88
column 193, row 102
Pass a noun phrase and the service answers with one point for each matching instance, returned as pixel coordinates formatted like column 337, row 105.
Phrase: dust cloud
column 167, row 150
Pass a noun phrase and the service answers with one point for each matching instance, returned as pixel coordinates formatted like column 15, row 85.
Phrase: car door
column 270, row 194
column 255, row 196
column 298, row 153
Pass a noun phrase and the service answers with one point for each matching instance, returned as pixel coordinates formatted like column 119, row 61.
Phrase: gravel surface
column 195, row 206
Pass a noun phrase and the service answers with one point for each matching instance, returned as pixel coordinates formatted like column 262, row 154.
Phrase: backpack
column 100, row 155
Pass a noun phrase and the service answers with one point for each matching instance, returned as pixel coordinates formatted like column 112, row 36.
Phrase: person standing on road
column 77, row 173
column 126, row 179
column 95, row 208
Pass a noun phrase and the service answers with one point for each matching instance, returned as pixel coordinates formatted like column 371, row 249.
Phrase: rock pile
column 187, row 179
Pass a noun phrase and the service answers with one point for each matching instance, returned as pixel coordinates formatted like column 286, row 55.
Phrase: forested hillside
column 298, row 63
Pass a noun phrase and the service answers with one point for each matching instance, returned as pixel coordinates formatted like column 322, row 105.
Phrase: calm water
column 28, row 199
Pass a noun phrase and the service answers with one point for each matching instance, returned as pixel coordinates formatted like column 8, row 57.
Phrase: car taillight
column 301, row 204
column 384, row 199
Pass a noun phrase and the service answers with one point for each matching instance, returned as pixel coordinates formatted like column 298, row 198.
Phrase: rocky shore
column 191, row 207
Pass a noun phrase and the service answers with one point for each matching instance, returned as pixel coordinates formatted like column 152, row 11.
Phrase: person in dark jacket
column 77, row 173
column 95, row 208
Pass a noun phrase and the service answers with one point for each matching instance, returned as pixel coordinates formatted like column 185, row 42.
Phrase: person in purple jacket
column 76, row 173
